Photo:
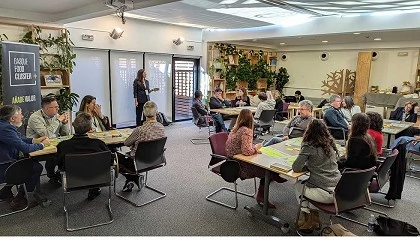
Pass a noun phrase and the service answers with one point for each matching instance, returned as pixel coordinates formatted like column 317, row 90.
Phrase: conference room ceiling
column 226, row 14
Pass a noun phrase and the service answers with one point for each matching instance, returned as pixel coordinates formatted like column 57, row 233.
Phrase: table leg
column 263, row 215
column 388, row 142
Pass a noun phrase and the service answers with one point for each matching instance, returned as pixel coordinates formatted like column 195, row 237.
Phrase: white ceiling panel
column 45, row 6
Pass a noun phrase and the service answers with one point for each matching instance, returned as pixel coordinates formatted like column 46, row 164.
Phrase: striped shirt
column 150, row 130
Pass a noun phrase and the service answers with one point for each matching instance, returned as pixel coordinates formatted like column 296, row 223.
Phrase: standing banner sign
column 21, row 84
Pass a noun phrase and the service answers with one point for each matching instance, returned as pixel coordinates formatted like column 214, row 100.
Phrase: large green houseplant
column 245, row 72
column 282, row 78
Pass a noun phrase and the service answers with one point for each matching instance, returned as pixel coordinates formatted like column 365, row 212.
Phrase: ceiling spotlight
column 178, row 41
column 325, row 41
column 356, row 33
column 377, row 39
column 282, row 43
column 116, row 33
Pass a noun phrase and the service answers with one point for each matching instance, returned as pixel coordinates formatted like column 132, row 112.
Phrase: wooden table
column 264, row 161
column 393, row 127
column 233, row 111
column 290, row 149
column 117, row 136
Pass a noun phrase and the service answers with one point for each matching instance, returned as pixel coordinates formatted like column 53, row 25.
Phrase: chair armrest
column 116, row 165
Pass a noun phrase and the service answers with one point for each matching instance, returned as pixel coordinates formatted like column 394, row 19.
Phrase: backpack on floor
column 392, row 227
column 160, row 117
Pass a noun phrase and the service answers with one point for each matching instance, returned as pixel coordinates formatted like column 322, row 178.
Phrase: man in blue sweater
column 12, row 147
column 333, row 117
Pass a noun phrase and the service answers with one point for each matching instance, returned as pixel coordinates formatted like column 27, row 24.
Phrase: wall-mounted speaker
column 324, row 56
column 375, row 56
column 284, row 57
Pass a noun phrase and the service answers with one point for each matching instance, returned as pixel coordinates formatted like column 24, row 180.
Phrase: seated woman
column 242, row 98
column 361, row 150
column 317, row 156
column 406, row 113
column 240, row 142
column 375, row 130
column 99, row 121
column 348, row 108
column 150, row 130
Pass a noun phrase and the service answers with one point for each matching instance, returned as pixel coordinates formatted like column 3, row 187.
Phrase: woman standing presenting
column 141, row 92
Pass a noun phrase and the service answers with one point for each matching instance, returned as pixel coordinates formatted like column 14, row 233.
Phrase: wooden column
column 361, row 86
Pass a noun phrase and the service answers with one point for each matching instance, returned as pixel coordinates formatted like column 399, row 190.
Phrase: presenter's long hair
column 140, row 75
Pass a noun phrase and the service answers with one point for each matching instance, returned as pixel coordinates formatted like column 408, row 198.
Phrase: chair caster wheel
column 285, row 228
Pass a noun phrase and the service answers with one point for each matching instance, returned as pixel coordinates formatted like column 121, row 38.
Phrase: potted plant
column 65, row 99
column 282, row 78
column 245, row 74
column 231, row 79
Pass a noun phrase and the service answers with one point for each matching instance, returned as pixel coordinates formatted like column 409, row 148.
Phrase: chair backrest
column 285, row 106
column 88, row 169
column 383, row 169
column 218, row 146
column 267, row 117
column 351, row 191
column 150, row 154
column 19, row 171
column 195, row 114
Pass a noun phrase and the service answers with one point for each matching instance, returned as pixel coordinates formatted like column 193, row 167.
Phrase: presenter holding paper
column 141, row 92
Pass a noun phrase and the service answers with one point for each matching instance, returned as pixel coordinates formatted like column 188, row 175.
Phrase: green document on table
column 283, row 161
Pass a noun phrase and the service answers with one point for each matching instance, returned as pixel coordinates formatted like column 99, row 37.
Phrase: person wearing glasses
column 333, row 117
column 46, row 122
column 297, row 126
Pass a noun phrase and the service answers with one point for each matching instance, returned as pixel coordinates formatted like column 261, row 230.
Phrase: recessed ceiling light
column 377, row 39
column 356, row 33
column 254, row 40
column 325, row 41
column 282, row 43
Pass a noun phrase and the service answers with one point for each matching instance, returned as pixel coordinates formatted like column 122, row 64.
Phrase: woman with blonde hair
column 240, row 141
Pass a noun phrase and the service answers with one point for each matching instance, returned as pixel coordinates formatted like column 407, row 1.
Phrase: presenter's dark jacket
column 78, row 144
column 11, row 143
column 139, row 91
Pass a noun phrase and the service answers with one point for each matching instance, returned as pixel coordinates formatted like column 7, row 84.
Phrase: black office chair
column 202, row 122
column 18, row 173
column 266, row 120
column 227, row 168
column 337, row 133
column 149, row 156
column 86, row 171
column 381, row 177
column 350, row 193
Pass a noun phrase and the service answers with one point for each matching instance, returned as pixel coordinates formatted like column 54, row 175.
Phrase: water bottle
column 371, row 223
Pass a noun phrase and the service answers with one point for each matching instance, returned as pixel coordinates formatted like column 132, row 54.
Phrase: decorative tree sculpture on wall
column 340, row 82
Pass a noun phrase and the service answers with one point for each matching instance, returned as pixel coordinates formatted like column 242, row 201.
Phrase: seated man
column 80, row 143
column 150, row 130
column 298, row 96
column 333, row 117
column 267, row 103
column 203, row 111
column 217, row 100
column 300, row 121
column 47, row 123
column 13, row 147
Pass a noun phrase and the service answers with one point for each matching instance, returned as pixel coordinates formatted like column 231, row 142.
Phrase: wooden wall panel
column 364, row 63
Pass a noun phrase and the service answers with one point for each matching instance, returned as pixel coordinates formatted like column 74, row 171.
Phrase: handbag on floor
column 336, row 230
column 392, row 227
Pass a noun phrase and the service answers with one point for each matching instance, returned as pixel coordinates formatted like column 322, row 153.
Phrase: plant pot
column 262, row 83
column 242, row 84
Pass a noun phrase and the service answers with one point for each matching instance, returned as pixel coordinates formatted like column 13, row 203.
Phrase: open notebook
column 283, row 161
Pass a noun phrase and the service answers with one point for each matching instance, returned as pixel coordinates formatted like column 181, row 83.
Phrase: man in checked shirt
column 150, row 130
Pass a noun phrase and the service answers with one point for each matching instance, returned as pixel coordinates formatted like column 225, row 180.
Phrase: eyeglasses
column 56, row 107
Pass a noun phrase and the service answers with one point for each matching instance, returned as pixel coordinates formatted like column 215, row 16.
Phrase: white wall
column 307, row 71
column 142, row 36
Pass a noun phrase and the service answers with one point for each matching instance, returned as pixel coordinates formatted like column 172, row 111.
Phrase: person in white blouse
column 348, row 108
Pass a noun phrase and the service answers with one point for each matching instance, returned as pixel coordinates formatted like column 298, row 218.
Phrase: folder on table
column 282, row 167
